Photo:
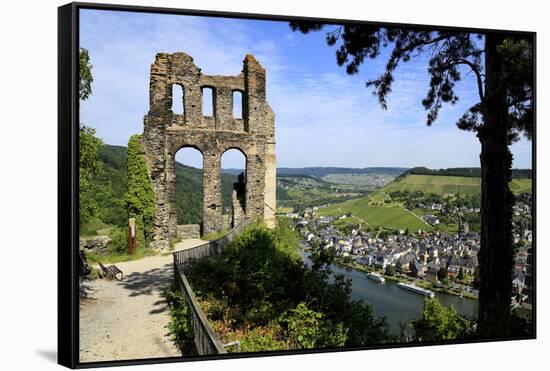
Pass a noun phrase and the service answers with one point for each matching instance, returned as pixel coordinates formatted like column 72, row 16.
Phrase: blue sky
column 323, row 117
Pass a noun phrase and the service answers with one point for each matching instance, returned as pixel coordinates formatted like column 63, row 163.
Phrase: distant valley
column 360, row 191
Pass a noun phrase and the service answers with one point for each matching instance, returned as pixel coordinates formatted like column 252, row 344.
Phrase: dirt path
column 128, row 319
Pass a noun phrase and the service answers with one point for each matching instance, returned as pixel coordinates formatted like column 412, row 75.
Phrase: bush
column 440, row 323
column 259, row 276
column 348, row 259
column 390, row 270
column 303, row 327
column 180, row 326
column 119, row 242
column 262, row 339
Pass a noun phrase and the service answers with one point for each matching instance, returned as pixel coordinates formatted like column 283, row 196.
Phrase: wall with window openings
column 212, row 114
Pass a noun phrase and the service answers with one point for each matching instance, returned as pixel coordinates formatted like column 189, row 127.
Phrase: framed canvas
column 240, row 185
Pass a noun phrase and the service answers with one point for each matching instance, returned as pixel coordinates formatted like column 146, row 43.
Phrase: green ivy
column 140, row 197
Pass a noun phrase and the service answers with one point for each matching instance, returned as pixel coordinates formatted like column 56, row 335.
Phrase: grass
column 112, row 258
column 95, row 227
column 214, row 235
column 449, row 185
column 521, row 186
column 436, row 184
column 378, row 196
column 389, row 216
column 284, row 210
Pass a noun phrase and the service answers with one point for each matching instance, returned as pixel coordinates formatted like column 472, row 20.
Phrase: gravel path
column 127, row 320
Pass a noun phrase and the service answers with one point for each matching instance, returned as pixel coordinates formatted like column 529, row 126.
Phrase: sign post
column 132, row 239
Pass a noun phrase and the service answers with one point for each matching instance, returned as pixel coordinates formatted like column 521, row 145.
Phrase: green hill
column 380, row 210
column 442, row 184
column 372, row 216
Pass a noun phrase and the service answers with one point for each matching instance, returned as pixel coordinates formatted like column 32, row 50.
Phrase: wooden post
column 132, row 238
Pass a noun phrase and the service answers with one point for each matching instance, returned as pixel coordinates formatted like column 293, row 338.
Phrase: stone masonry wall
column 187, row 231
column 165, row 132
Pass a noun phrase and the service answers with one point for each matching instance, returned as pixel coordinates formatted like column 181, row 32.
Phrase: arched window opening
column 237, row 104
column 178, row 99
column 189, row 191
column 207, row 101
column 233, row 164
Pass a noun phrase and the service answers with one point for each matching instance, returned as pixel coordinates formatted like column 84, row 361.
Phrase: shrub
column 119, row 242
column 303, row 327
column 180, row 326
column 440, row 323
column 259, row 276
column 390, row 270
column 262, row 339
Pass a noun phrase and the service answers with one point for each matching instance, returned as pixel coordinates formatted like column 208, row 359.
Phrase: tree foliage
column 89, row 167
column 140, row 197
column 89, row 164
column 86, row 78
column 442, row 273
column 452, row 56
column 440, row 323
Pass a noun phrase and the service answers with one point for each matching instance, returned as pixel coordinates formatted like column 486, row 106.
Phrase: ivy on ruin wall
column 140, row 197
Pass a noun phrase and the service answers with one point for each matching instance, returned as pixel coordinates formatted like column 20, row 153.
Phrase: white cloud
column 322, row 118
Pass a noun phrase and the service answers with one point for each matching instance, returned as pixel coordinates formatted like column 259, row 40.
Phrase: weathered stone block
column 187, row 231
column 94, row 243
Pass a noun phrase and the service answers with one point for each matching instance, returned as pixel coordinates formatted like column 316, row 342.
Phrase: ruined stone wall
column 186, row 231
column 237, row 210
column 165, row 132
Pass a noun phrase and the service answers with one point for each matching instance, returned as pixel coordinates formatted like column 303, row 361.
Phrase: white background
column 28, row 182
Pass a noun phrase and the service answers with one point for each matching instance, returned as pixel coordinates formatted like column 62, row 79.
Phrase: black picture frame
column 68, row 175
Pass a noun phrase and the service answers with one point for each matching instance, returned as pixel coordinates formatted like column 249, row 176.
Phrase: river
column 396, row 304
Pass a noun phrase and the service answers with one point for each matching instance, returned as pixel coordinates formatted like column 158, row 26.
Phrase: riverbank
column 405, row 279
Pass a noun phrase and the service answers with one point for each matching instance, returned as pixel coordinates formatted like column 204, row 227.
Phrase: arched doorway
column 233, row 165
column 189, row 192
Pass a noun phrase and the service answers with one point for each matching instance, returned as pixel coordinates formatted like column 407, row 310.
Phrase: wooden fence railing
column 206, row 339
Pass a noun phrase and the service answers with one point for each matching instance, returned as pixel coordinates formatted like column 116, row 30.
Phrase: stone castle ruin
column 165, row 132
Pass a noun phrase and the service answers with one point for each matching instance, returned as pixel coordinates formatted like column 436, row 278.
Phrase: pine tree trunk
column 496, row 253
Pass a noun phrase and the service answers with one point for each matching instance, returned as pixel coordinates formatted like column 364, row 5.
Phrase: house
column 431, row 219
column 518, row 281
column 403, row 263
column 417, row 269
column 366, row 260
column 325, row 219
column 468, row 266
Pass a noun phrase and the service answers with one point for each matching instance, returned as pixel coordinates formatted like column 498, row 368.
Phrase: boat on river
column 418, row 290
column 376, row 277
